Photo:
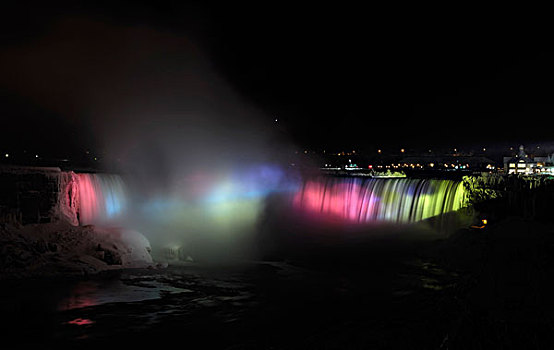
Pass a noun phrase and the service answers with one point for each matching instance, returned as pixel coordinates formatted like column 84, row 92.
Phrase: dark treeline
column 528, row 197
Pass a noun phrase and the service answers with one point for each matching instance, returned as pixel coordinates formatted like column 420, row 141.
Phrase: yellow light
column 484, row 221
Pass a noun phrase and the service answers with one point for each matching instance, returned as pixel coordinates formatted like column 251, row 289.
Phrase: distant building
column 521, row 163
column 547, row 164
column 449, row 162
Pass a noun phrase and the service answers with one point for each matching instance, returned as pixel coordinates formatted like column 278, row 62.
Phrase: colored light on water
column 81, row 322
column 375, row 200
column 101, row 197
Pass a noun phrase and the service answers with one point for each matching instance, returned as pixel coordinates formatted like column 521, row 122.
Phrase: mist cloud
column 161, row 116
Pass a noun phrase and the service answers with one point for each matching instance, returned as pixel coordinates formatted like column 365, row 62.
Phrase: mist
column 197, row 159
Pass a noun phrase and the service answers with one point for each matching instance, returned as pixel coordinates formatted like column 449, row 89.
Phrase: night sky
column 334, row 76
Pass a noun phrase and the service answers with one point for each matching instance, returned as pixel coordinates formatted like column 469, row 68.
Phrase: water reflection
column 81, row 322
column 95, row 292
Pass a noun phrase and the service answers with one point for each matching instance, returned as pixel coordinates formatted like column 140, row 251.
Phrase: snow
column 68, row 198
column 133, row 246
column 60, row 249
column 60, row 245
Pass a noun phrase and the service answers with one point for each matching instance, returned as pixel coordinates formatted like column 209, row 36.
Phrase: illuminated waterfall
column 101, row 197
column 380, row 200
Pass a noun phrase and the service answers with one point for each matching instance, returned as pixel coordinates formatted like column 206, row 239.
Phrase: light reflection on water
column 93, row 292
column 81, row 322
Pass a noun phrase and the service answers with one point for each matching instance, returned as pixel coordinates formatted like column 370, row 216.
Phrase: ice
column 60, row 249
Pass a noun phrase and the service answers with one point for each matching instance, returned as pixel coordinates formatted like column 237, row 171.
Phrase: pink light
column 379, row 200
column 345, row 200
column 81, row 322
column 88, row 199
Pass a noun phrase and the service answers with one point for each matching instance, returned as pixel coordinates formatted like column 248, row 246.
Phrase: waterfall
column 380, row 200
column 101, row 197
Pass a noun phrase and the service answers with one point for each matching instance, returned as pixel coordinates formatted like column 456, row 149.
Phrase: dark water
column 347, row 294
column 478, row 289
column 319, row 285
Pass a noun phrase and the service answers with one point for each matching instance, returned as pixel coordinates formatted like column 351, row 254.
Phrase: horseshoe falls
column 379, row 200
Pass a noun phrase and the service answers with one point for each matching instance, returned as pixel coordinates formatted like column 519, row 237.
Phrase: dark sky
column 336, row 76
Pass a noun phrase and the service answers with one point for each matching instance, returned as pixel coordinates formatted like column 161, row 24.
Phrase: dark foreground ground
column 479, row 289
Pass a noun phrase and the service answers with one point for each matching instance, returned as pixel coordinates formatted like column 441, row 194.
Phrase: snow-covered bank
column 44, row 214
column 60, row 249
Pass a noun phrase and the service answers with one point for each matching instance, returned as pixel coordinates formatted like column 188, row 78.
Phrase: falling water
column 101, row 197
column 380, row 200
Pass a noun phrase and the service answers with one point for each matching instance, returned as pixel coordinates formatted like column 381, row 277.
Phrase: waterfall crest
column 102, row 197
column 92, row 198
column 380, row 200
